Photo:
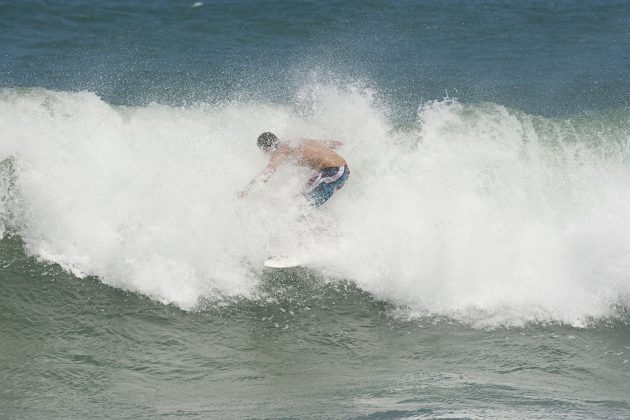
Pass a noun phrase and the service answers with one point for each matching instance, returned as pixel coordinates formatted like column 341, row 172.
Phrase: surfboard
column 283, row 261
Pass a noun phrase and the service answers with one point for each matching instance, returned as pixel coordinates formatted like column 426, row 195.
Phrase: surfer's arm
column 266, row 173
column 261, row 178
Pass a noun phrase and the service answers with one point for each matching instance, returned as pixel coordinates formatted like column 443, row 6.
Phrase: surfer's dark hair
column 267, row 141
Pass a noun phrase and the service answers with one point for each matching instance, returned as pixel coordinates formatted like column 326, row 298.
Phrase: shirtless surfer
column 332, row 169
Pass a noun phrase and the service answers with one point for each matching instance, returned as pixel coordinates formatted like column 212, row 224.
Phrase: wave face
column 476, row 212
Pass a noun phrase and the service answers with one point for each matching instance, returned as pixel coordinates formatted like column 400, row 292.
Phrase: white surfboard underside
column 284, row 261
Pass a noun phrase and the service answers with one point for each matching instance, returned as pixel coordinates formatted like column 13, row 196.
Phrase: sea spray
column 478, row 212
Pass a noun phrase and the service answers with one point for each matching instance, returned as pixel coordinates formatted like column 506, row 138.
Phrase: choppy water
column 475, row 265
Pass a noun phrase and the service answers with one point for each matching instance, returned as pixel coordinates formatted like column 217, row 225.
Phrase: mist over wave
column 478, row 212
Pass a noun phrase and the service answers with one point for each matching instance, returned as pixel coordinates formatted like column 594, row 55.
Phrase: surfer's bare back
column 332, row 169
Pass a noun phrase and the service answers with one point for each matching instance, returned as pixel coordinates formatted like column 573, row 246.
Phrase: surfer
column 332, row 169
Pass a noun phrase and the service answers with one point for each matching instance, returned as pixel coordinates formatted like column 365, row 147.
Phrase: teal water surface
column 305, row 348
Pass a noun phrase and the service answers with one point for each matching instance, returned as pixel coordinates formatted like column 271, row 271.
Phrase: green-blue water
column 78, row 348
column 476, row 265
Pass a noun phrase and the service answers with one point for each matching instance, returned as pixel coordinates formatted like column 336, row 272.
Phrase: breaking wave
column 475, row 211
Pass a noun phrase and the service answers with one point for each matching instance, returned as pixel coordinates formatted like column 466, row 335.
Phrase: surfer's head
column 267, row 142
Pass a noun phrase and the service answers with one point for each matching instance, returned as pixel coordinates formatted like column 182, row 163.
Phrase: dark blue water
column 540, row 57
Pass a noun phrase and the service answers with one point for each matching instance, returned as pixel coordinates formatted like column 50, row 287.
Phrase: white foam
column 476, row 212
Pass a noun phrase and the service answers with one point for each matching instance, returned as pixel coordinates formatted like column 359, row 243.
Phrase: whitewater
column 477, row 212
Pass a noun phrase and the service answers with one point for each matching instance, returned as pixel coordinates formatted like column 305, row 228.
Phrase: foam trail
column 476, row 212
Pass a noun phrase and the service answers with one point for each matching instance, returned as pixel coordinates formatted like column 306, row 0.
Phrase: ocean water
column 475, row 265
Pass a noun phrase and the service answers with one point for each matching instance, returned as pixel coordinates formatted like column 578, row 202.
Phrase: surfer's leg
column 329, row 180
column 320, row 195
